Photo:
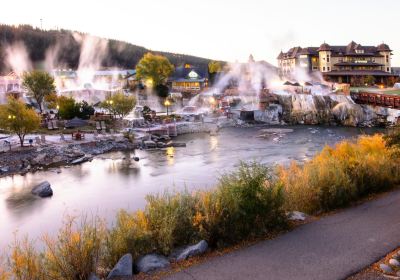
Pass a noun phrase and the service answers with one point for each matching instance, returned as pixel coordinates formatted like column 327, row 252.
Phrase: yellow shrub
column 4, row 274
column 129, row 235
column 25, row 261
column 339, row 175
column 77, row 250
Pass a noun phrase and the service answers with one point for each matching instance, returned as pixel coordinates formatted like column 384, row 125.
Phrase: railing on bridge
column 376, row 99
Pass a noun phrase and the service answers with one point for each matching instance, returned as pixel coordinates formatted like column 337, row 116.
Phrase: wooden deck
column 377, row 99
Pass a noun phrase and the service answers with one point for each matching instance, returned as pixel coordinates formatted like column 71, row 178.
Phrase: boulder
column 297, row 216
column 395, row 263
column 43, row 189
column 385, row 268
column 164, row 138
column 151, row 262
column 149, row 144
column 161, row 145
column 123, row 268
column 190, row 251
column 4, row 169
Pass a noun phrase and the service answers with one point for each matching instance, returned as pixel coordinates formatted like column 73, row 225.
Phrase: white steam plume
column 17, row 58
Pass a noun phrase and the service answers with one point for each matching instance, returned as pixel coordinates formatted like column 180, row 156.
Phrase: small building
column 10, row 84
column 342, row 64
column 188, row 79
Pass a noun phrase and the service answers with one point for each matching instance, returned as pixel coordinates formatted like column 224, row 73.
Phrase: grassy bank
column 249, row 202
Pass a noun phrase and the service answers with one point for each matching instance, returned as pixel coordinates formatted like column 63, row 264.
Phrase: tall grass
column 4, row 273
column 77, row 250
column 248, row 202
column 342, row 174
column 26, row 263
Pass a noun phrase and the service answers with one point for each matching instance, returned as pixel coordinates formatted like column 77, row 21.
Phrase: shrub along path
column 333, row 247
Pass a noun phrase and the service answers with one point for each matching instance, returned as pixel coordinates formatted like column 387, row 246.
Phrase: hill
column 67, row 49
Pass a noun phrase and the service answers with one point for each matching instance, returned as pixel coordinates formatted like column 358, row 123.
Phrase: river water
column 114, row 181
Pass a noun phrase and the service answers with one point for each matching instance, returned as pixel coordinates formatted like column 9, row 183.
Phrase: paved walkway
column 334, row 247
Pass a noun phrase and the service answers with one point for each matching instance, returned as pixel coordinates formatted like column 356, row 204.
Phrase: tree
column 17, row 118
column 154, row 70
column 67, row 107
column 370, row 80
column 84, row 110
column 214, row 67
column 51, row 100
column 119, row 104
column 39, row 85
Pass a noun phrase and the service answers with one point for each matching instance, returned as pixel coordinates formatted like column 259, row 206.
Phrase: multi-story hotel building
column 344, row 64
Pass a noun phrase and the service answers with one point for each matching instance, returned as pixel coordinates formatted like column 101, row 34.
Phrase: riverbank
column 254, row 199
column 30, row 159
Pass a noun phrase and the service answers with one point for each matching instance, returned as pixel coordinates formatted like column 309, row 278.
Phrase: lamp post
column 10, row 118
column 167, row 103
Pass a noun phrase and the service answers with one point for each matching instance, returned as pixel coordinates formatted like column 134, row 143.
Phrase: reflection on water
column 115, row 180
column 170, row 152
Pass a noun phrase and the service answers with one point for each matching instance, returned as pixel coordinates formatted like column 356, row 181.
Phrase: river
column 114, row 181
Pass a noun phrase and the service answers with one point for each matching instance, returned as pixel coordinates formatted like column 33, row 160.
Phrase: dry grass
column 340, row 175
column 77, row 250
column 25, row 262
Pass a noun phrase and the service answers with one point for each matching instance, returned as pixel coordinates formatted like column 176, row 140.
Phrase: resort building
column 343, row 64
column 188, row 79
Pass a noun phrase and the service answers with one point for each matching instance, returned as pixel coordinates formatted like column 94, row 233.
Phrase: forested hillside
column 38, row 42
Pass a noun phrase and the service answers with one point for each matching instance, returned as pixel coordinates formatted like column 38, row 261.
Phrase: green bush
column 170, row 218
column 247, row 202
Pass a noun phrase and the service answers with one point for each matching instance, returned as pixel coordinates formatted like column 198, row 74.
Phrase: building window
column 387, row 69
column 323, row 68
column 327, row 58
column 387, row 58
column 329, row 69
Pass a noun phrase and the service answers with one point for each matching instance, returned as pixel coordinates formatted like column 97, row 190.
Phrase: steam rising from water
column 17, row 58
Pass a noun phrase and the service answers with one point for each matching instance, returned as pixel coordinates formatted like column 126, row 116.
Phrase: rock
column 39, row 159
column 122, row 268
column 149, row 144
column 394, row 263
column 151, row 262
column 57, row 159
column 4, row 169
column 82, row 159
column 164, row 138
column 385, row 268
column 397, row 255
column 297, row 216
column 190, row 251
column 160, row 145
column 43, row 189
column 93, row 277
column 178, row 144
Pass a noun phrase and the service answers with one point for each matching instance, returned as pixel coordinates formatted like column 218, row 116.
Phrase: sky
column 227, row 30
